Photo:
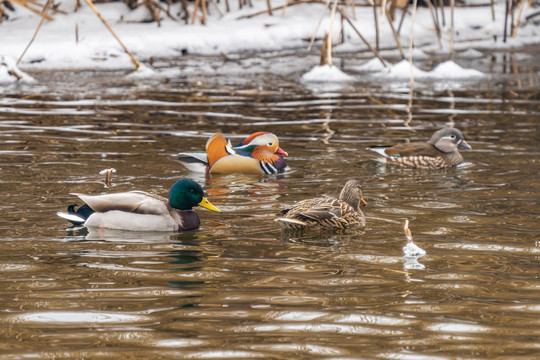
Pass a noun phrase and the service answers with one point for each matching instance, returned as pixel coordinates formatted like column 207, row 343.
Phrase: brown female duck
column 327, row 212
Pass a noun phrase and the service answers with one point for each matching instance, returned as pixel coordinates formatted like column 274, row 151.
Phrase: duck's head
column 448, row 139
column 352, row 194
column 261, row 139
column 186, row 193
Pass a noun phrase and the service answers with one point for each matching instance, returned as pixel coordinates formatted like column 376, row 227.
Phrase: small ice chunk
column 413, row 250
column 9, row 72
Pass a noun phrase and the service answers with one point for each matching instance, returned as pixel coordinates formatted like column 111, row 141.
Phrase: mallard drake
column 142, row 211
column 327, row 212
column 258, row 154
column 441, row 151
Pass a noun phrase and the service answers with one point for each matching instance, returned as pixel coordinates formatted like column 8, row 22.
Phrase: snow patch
column 326, row 73
column 451, row 70
column 9, row 72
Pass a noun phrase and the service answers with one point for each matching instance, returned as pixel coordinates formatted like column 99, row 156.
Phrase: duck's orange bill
column 206, row 204
column 281, row 151
column 363, row 202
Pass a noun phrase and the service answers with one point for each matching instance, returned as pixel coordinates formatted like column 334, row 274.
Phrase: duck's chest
column 186, row 220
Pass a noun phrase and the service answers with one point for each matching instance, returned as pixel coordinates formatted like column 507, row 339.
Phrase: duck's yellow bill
column 363, row 202
column 206, row 204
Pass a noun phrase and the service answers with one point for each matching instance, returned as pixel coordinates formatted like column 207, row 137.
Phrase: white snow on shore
column 79, row 40
column 10, row 73
column 326, row 73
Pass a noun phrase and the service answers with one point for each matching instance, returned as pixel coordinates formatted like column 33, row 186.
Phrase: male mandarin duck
column 327, row 212
column 142, row 211
column 441, row 151
column 258, row 154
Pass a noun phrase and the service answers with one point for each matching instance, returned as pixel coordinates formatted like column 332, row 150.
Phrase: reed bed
column 340, row 11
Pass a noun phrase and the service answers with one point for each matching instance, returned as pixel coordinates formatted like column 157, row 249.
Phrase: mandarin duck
column 441, row 151
column 327, row 212
column 142, row 211
column 258, row 154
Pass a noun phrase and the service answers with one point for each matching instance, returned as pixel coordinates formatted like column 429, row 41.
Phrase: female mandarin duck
column 258, row 154
column 142, row 211
column 441, row 151
column 327, row 212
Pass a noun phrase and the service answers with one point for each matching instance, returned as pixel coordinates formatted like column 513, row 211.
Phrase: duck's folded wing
column 413, row 149
column 138, row 202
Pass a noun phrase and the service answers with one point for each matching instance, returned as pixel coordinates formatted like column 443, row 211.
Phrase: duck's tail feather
column 291, row 221
column 76, row 217
column 193, row 161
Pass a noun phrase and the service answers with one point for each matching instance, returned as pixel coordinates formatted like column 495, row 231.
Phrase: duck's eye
column 192, row 191
column 270, row 144
column 452, row 136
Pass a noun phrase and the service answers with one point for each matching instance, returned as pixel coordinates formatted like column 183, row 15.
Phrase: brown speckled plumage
column 441, row 151
column 327, row 212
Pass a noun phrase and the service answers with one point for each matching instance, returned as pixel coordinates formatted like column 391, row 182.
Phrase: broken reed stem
column 375, row 52
column 376, row 22
column 24, row 4
column 505, row 20
column 312, row 40
column 407, row 231
column 396, row 36
column 43, row 16
column 203, row 8
column 217, row 8
column 329, row 44
column 492, row 4
column 95, row 10
column 515, row 27
column 282, row 9
column 411, row 45
column 269, row 5
column 197, row 3
column 435, row 22
column 404, row 12
column 452, row 8
column 441, row 6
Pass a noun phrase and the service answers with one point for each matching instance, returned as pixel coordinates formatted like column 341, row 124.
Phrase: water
column 239, row 287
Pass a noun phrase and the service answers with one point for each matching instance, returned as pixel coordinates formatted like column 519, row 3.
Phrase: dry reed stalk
column 95, row 10
column 217, row 8
column 312, row 40
column 411, row 45
column 403, row 13
column 269, row 5
column 407, row 231
column 329, row 43
column 452, row 10
column 186, row 11
column 203, row 9
column 396, row 36
column 284, row 8
column 376, row 22
column 299, row 2
column 43, row 16
column 197, row 3
column 435, row 22
column 492, row 4
column 351, row 4
column 24, row 3
column 166, row 11
column 227, row 7
column 323, row 59
column 505, row 20
column 441, row 6
column 515, row 27
column 375, row 52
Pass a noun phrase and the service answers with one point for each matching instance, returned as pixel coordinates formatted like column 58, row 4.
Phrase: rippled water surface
column 239, row 287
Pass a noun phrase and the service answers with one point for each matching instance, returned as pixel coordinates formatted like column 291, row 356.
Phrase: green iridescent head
column 186, row 193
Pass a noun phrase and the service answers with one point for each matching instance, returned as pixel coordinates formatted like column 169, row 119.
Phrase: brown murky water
column 238, row 287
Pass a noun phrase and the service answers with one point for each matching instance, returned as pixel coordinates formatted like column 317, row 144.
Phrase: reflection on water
column 239, row 287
